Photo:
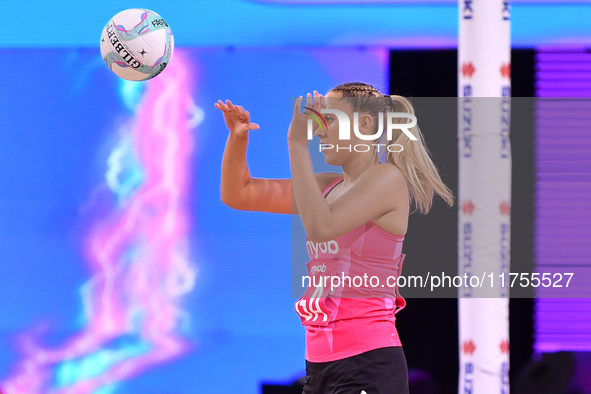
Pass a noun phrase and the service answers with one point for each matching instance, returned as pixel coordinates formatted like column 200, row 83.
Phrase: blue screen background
column 61, row 111
column 59, row 127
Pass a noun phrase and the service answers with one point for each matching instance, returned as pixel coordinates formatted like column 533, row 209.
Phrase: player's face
column 330, row 137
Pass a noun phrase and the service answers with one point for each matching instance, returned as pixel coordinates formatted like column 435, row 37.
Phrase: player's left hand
column 298, row 129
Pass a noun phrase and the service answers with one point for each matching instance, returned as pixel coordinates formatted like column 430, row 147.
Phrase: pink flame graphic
column 139, row 259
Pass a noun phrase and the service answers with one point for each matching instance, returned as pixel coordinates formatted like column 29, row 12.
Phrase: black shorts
column 379, row 371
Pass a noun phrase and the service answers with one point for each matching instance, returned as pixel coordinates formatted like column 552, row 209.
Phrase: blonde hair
column 414, row 160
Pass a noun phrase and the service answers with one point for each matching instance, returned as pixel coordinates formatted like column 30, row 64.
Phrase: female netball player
column 355, row 223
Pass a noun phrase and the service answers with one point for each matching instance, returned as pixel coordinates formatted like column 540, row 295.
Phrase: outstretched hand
column 237, row 118
column 299, row 123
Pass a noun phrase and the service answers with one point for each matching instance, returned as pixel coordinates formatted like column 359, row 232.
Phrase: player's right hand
column 237, row 118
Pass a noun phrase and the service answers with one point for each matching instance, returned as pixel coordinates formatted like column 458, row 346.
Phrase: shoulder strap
column 331, row 185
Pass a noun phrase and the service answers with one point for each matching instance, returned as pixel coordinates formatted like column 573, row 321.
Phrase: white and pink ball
column 137, row 44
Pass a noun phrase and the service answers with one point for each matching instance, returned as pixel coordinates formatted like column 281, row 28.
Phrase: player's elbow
column 231, row 200
column 319, row 234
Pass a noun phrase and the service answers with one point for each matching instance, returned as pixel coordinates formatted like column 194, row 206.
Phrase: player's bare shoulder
column 386, row 177
column 325, row 178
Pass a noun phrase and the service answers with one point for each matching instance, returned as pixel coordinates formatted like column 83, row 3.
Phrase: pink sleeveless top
column 344, row 321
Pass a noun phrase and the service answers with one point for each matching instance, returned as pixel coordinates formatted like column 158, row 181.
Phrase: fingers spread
column 221, row 106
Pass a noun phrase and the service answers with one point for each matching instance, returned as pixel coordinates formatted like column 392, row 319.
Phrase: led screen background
column 63, row 143
column 67, row 129
column 253, row 23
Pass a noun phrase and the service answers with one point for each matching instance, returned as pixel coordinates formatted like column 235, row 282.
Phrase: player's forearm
column 235, row 173
column 313, row 208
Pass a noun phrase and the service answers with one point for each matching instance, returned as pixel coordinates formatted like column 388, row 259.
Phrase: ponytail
column 414, row 160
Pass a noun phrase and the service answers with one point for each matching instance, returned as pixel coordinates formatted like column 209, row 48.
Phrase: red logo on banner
column 469, row 347
column 506, row 70
column 505, row 208
column 504, row 346
column 468, row 69
column 468, row 207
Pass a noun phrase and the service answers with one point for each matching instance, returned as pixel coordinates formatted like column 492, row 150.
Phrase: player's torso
column 394, row 222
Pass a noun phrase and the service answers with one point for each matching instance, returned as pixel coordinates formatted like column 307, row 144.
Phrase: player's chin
column 330, row 158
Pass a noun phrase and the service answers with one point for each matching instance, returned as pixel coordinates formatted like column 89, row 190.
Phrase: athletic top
column 358, row 316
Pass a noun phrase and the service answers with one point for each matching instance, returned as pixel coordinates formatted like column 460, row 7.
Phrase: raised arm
column 238, row 189
column 378, row 190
